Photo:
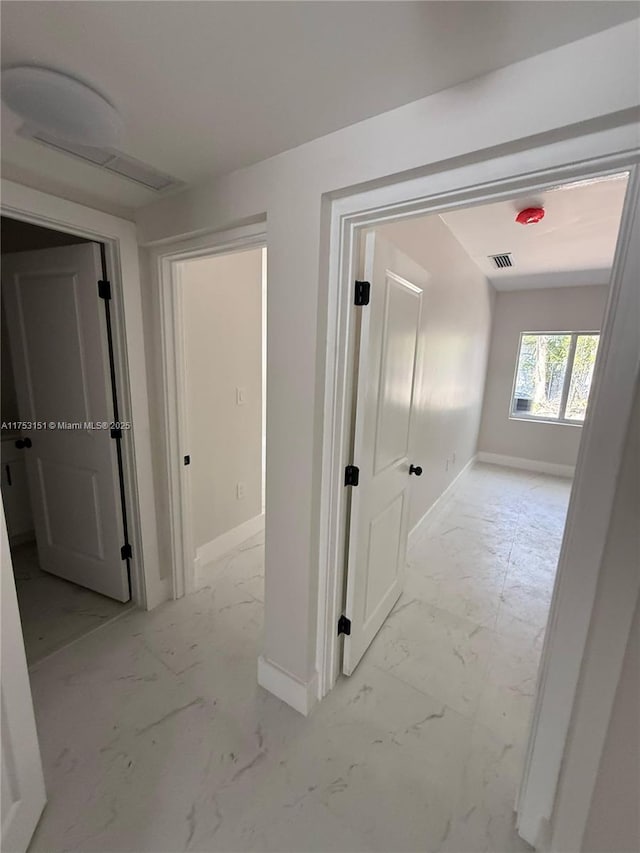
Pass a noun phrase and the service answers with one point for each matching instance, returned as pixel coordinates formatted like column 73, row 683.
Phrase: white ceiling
column 208, row 87
column 573, row 245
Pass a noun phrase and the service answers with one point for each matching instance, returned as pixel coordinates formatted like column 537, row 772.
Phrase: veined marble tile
column 55, row 612
column 243, row 567
column 279, row 820
column 87, row 693
column 156, row 737
column 94, row 705
column 452, row 555
column 506, row 699
column 231, row 680
column 489, row 513
column 419, row 586
column 484, row 820
column 526, row 600
column 468, row 543
column 510, row 627
column 435, row 651
column 534, row 563
column 385, row 758
column 154, row 780
column 218, row 619
column 472, row 597
column 429, row 559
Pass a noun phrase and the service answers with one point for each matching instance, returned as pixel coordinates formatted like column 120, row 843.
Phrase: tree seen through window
column 554, row 375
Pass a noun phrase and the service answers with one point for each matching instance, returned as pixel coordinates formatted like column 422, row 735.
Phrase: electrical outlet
column 240, row 491
column 241, row 396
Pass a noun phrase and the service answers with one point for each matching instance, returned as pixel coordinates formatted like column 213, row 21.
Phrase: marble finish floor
column 53, row 611
column 156, row 737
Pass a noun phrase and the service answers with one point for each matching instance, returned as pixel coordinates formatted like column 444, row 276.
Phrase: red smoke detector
column 530, row 215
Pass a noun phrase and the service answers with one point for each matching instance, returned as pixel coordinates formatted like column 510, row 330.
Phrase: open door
column 23, row 794
column 60, row 353
column 387, row 364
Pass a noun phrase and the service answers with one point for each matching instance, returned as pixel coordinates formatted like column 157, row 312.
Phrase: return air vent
column 502, row 261
column 110, row 160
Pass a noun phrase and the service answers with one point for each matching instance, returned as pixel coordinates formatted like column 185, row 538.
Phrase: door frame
column 165, row 262
column 496, row 178
column 148, row 587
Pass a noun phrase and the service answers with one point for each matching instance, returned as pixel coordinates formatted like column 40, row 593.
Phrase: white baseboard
column 211, row 551
column 438, row 502
column 527, row 464
column 300, row 695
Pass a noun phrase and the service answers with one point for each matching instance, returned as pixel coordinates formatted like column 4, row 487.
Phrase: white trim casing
column 526, row 464
column 575, row 158
column 300, row 695
column 164, row 263
column 263, row 326
column 225, row 543
column 579, row 576
column 149, row 588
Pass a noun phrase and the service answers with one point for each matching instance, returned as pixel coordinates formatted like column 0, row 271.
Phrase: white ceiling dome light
column 62, row 106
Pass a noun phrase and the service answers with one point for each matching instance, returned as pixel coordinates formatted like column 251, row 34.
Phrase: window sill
column 556, row 421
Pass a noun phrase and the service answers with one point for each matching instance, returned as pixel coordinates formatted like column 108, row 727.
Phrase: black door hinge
column 344, row 626
column 362, row 293
column 116, row 432
column 104, row 289
column 351, row 475
column 126, row 551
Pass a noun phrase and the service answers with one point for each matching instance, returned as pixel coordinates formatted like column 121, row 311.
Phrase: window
column 553, row 376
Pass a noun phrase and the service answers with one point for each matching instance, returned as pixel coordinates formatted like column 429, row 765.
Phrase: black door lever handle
column 415, row 469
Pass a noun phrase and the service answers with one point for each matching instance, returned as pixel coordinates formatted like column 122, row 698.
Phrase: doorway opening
column 213, row 303
column 63, row 465
column 223, row 311
column 475, row 380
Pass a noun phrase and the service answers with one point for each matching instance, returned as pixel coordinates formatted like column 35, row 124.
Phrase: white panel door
column 23, row 794
column 388, row 358
column 57, row 332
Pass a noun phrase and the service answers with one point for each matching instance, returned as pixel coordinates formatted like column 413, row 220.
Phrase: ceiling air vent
column 502, row 261
column 108, row 159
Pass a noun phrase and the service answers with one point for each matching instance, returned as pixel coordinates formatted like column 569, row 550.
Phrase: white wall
column 456, row 325
column 564, row 309
column 582, row 88
column 222, row 302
